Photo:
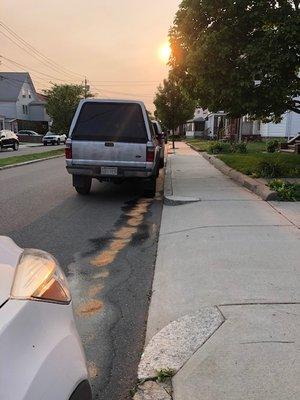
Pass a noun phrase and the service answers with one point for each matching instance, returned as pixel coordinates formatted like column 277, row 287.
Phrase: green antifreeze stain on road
column 30, row 157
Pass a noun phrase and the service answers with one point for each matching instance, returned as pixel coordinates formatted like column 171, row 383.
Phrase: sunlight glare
column 165, row 52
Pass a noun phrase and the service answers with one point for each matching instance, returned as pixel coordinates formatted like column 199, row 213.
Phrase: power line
column 128, row 81
column 32, row 69
column 126, row 93
column 37, row 54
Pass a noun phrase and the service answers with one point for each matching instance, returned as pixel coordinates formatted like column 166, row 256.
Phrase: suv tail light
column 150, row 154
column 68, row 151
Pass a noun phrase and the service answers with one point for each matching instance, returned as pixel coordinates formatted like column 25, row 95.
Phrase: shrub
column 219, row 147
column 272, row 146
column 240, row 148
column 286, row 191
column 270, row 169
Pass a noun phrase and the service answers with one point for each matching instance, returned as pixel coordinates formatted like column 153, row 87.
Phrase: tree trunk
column 173, row 139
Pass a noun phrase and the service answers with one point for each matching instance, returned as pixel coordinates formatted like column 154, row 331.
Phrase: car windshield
column 50, row 133
column 118, row 122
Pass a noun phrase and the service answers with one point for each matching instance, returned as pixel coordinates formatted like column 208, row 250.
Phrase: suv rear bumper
column 123, row 172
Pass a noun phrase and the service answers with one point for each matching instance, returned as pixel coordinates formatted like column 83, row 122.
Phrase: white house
column 288, row 127
column 205, row 124
column 20, row 105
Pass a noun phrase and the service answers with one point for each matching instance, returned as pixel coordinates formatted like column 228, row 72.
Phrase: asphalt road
column 28, row 149
column 106, row 243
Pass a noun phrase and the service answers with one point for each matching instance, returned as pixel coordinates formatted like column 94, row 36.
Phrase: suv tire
column 84, row 187
column 16, row 146
column 150, row 189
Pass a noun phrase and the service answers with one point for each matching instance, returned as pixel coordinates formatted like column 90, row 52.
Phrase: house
column 205, row 124
column 21, row 107
column 287, row 128
column 246, row 128
column 195, row 127
column 214, row 124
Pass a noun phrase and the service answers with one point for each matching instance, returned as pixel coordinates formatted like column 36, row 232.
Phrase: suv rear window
column 116, row 122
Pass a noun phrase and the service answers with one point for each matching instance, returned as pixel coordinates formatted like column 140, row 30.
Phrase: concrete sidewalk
column 237, row 254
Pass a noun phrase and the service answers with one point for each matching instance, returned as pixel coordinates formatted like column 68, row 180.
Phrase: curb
column 30, row 162
column 168, row 189
column 170, row 349
column 259, row 188
column 195, row 148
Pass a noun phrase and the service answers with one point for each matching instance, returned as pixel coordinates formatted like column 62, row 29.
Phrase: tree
column 173, row 108
column 62, row 101
column 239, row 56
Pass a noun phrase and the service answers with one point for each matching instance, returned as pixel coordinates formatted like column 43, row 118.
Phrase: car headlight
column 38, row 276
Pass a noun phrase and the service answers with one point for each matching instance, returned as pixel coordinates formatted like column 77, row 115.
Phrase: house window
column 25, row 109
column 29, row 94
column 23, row 93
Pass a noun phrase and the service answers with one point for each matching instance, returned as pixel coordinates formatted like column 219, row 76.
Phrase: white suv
column 41, row 356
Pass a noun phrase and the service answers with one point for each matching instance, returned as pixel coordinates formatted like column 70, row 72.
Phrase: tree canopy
column 62, row 101
column 239, row 56
column 173, row 108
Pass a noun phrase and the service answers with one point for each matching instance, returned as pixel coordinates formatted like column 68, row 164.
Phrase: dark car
column 8, row 139
column 161, row 140
column 24, row 132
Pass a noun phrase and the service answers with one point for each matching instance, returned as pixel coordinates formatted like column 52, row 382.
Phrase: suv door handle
column 109, row 144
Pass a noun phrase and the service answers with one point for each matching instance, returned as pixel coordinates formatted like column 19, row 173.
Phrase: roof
column 41, row 97
column 11, row 84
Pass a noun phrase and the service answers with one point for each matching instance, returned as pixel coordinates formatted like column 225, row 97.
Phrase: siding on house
column 294, row 124
column 37, row 112
column 289, row 126
column 8, row 109
column 25, row 101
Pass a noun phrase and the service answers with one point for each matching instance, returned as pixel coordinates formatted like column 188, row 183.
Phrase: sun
column 165, row 52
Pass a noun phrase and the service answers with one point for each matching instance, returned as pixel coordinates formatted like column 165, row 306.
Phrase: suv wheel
column 84, row 187
column 58, row 142
column 150, row 189
column 16, row 146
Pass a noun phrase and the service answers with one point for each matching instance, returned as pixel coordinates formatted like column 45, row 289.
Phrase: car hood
column 9, row 257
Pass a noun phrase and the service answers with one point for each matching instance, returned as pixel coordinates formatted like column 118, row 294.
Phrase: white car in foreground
column 41, row 357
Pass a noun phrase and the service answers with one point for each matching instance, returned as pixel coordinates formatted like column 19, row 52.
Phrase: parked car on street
column 161, row 140
column 54, row 138
column 112, row 140
column 25, row 133
column 41, row 356
column 8, row 139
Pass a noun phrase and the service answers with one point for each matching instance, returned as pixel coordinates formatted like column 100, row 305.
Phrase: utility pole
column 86, row 88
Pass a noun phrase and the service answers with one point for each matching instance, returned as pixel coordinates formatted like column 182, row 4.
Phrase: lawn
column 29, row 157
column 256, row 152
column 200, row 144
column 248, row 163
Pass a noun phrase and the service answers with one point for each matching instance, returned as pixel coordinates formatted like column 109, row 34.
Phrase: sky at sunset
column 115, row 43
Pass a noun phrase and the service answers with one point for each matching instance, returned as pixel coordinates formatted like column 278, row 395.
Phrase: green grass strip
column 29, row 157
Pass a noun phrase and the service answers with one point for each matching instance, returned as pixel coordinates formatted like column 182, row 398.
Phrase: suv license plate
column 109, row 171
